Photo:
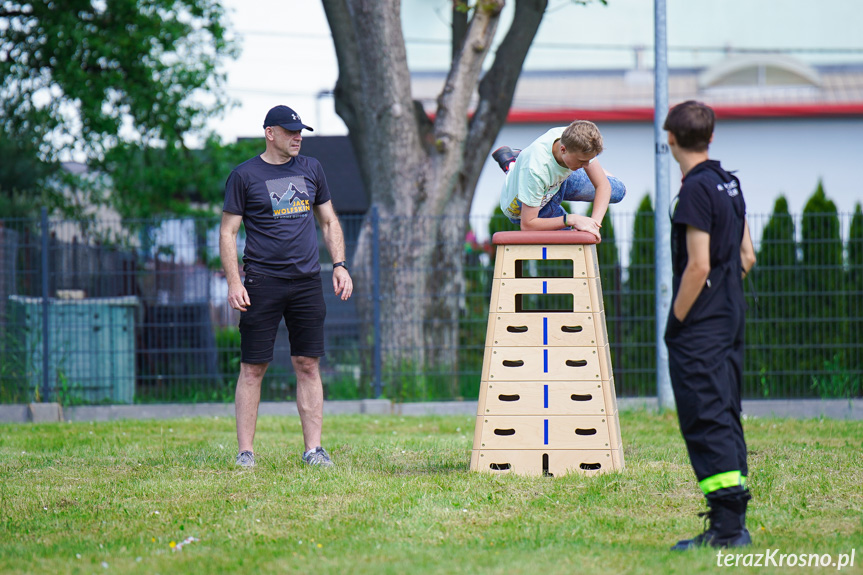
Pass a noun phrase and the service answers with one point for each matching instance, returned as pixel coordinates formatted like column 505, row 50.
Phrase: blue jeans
column 577, row 188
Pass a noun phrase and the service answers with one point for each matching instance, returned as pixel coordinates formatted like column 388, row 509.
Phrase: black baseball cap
column 286, row 118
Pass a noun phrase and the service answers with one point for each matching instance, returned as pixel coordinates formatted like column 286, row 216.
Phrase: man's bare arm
column 238, row 298
column 335, row 241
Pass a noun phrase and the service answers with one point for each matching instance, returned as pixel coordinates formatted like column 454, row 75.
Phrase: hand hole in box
column 516, row 328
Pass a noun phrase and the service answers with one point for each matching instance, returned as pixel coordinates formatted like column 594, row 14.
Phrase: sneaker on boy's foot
column 318, row 456
column 246, row 459
column 504, row 156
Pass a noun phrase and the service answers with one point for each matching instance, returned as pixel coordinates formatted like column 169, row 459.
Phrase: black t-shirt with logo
column 276, row 204
column 711, row 200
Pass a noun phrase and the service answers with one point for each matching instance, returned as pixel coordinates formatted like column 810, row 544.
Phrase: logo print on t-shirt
column 289, row 197
column 729, row 187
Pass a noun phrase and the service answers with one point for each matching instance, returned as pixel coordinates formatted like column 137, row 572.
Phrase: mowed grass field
column 123, row 497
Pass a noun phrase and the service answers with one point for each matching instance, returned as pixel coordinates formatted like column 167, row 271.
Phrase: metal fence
column 109, row 311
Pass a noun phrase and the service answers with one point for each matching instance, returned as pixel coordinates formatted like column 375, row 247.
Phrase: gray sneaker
column 318, row 456
column 246, row 459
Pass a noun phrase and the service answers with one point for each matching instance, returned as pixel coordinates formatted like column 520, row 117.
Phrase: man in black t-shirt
column 711, row 253
column 274, row 195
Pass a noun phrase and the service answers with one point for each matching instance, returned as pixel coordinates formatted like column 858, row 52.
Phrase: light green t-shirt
column 535, row 176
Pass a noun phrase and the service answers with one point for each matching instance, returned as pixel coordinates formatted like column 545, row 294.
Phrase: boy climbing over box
column 560, row 166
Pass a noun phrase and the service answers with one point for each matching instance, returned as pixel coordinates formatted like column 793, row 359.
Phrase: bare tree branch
column 459, row 26
column 497, row 88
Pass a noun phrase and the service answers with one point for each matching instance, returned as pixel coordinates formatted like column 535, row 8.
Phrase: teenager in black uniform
column 711, row 253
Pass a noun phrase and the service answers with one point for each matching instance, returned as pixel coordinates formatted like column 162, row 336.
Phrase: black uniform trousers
column 705, row 356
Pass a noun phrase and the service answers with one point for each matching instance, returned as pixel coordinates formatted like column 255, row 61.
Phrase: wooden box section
column 553, row 463
column 550, row 397
column 550, row 329
column 583, row 257
column 586, row 294
column 538, row 432
column 546, row 364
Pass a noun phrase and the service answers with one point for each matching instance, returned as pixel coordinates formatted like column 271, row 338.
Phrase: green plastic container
column 92, row 346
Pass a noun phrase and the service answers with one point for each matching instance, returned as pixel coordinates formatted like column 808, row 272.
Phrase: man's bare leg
column 310, row 398
column 246, row 400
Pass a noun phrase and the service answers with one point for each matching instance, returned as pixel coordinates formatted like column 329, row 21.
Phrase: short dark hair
column 691, row 123
column 582, row 136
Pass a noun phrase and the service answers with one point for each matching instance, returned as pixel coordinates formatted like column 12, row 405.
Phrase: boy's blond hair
column 582, row 136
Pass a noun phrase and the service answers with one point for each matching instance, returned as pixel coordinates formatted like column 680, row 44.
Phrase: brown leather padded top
column 555, row 237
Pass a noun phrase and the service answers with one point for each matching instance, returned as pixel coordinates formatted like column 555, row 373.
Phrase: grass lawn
column 116, row 497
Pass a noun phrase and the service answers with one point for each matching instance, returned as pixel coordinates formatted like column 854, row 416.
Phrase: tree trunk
column 420, row 173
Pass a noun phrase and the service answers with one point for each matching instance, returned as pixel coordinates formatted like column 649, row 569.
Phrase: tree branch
column 348, row 55
column 459, row 26
column 373, row 97
column 497, row 88
column 454, row 100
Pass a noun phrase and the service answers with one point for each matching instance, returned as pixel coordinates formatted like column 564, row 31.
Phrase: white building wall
column 771, row 157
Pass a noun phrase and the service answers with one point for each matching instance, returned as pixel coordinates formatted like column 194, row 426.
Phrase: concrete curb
column 54, row 412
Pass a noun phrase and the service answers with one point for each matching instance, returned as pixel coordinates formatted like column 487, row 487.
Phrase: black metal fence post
column 46, row 343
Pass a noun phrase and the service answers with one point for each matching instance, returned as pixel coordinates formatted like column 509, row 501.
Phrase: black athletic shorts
column 300, row 302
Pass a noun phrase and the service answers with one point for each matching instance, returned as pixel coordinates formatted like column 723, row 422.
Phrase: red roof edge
column 723, row 112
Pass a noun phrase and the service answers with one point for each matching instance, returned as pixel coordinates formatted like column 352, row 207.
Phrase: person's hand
column 238, row 297
column 586, row 224
column 342, row 282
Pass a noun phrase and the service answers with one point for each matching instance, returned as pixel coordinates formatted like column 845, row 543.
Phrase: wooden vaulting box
column 547, row 404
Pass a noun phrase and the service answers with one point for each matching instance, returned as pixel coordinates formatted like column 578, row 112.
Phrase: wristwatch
column 340, row 265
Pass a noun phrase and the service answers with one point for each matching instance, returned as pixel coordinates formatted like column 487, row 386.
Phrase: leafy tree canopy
column 79, row 78
column 80, row 70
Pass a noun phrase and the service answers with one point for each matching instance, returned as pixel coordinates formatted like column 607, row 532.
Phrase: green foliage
column 342, row 385
column 228, row 350
column 636, row 371
column 122, row 75
column 804, row 332
column 823, row 301
column 23, row 176
column 854, row 292
column 500, row 223
column 13, row 364
column 611, row 276
column 838, row 380
column 107, row 63
column 153, row 181
column 776, row 281
column 478, row 276
column 855, row 247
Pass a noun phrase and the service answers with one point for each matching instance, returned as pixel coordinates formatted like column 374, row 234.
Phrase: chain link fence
column 109, row 311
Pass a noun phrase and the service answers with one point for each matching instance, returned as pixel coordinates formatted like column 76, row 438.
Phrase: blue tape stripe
column 546, row 432
column 545, row 331
column 545, row 361
column 544, row 287
column 544, row 255
column 546, row 396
